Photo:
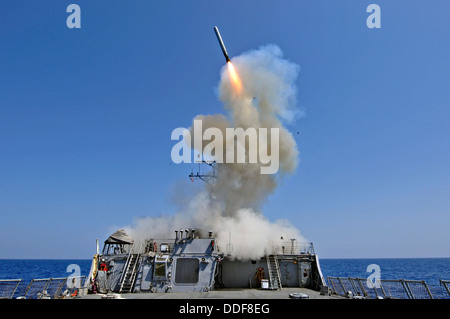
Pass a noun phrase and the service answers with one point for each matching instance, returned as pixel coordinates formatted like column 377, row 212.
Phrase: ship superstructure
column 191, row 263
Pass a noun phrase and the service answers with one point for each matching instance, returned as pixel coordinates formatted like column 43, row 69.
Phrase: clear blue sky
column 86, row 116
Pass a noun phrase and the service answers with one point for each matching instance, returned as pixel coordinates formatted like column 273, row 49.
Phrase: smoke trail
column 266, row 99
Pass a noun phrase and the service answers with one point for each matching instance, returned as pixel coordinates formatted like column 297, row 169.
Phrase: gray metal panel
column 241, row 274
column 194, row 246
column 146, row 277
column 115, row 273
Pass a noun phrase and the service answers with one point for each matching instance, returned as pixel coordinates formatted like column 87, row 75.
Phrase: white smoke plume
column 232, row 208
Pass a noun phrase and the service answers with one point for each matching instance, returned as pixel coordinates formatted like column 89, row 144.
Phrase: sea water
column 431, row 270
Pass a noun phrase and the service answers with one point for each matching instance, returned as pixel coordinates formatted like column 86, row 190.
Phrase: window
column 187, row 270
column 160, row 267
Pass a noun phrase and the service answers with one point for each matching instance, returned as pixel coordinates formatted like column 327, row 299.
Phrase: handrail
column 123, row 275
column 388, row 288
column 445, row 284
column 135, row 264
column 52, row 286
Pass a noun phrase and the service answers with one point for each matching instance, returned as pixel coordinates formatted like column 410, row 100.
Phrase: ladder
column 129, row 276
column 274, row 272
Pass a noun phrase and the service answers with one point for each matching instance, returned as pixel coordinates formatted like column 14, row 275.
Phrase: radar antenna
column 209, row 177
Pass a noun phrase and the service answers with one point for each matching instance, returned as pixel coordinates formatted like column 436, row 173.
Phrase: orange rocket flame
column 235, row 80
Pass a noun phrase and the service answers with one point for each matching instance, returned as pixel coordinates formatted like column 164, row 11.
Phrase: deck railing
column 45, row 288
column 388, row 288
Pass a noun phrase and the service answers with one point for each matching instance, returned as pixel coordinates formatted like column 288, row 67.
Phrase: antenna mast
column 208, row 178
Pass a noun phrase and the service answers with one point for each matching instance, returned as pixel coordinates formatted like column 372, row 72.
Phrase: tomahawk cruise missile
column 222, row 46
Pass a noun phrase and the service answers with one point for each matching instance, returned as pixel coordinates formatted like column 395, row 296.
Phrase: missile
column 222, row 46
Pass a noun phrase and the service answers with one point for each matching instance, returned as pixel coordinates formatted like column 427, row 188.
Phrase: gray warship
column 190, row 262
column 193, row 266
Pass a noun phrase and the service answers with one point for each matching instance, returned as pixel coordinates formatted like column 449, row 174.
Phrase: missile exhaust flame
column 234, row 77
column 236, row 81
